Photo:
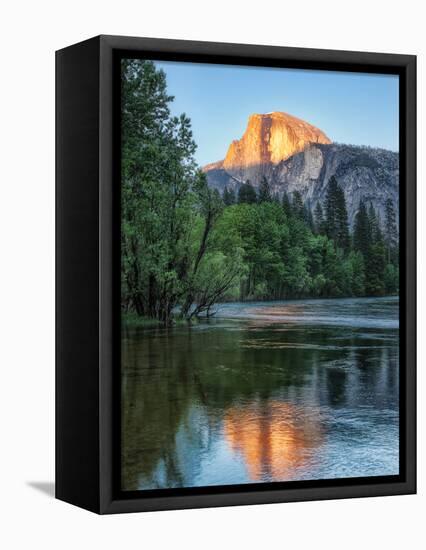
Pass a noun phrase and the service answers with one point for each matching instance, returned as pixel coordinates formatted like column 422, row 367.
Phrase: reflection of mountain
column 274, row 438
column 237, row 402
column 295, row 156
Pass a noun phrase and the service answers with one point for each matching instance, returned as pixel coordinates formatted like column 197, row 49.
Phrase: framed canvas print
column 235, row 274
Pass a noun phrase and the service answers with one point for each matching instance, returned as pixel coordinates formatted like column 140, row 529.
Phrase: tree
column 375, row 266
column 319, row 222
column 356, row 260
column 308, row 217
column 297, row 205
column 336, row 217
column 362, row 231
column 391, row 279
column 264, row 191
column 153, row 143
column 376, row 232
column 247, row 194
column 343, row 239
column 391, row 232
column 229, row 196
column 210, row 208
column 286, row 205
column 164, row 196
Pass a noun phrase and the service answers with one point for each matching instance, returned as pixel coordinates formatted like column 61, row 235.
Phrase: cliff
column 295, row 156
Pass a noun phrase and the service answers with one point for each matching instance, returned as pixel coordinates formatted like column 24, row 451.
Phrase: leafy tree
column 247, row 194
column 164, row 197
column 210, row 208
column 155, row 217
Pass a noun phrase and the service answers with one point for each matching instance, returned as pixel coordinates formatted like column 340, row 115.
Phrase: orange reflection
column 279, row 310
column 274, row 438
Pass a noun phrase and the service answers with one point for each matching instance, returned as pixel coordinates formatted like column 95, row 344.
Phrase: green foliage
column 184, row 247
column 391, row 279
column 247, row 194
column 297, row 206
column 375, row 268
column 336, row 217
column 391, row 233
column 319, row 221
column 286, row 205
column 229, row 197
column 264, row 191
column 357, row 267
column 362, row 231
column 380, row 267
column 168, row 211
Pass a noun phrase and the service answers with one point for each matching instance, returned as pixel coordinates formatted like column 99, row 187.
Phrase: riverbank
column 132, row 320
column 289, row 310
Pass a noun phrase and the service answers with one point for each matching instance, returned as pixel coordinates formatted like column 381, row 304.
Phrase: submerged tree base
column 132, row 320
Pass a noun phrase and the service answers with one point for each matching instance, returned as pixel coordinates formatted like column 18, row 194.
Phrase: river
column 265, row 391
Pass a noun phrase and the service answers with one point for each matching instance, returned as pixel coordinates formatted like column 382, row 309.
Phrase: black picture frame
column 87, row 273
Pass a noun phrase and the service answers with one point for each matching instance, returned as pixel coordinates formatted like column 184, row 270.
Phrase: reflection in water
column 247, row 398
column 274, row 438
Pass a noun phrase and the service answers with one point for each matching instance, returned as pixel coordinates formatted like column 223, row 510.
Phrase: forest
column 185, row 247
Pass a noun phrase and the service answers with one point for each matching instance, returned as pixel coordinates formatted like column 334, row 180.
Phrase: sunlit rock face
column 295, row 156
column 270, row 139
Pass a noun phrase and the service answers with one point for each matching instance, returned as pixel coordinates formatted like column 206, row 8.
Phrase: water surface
column 266, row 391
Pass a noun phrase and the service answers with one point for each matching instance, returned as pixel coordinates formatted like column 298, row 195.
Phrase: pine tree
column 228, row 196
column 308, row 218
column 375, row 269
column 343, row 239
column 225, row 197
column 264, row 191
column 319, row 219
column 376, row 233
column 247, row 193
column 297, row 205
column 362, row 231
column 336, row 215
column 356, row 260
column 368, row 240
column 286, row 205
column 330, row 209
column 391, row 232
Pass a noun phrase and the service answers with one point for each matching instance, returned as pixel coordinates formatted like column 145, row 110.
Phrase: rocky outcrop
column 268, row 140
column 299, row 157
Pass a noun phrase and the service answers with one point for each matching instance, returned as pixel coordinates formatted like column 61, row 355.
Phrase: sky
column 353, row 108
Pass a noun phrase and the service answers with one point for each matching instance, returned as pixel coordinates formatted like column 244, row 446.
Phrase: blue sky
column 349, row 107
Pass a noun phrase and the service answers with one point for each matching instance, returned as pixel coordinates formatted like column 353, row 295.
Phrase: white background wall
column 30, row 32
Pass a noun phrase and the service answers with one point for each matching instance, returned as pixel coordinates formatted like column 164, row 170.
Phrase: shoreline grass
column 132, row 320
